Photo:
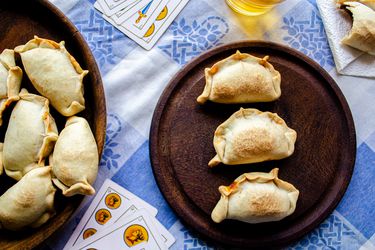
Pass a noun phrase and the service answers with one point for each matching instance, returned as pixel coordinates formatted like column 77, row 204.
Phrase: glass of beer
column 252, row 7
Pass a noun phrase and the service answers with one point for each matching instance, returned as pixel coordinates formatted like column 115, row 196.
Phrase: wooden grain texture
column 321, row 167
column 20, row 21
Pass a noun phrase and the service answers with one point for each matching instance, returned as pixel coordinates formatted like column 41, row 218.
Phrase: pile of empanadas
column 362, row 34
column 250, row 136
column 33, row 152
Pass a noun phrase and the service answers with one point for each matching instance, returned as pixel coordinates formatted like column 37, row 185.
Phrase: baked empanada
column 29, row 202
column 241, row 78
column 256, row 198
column 54, row 73
column 362, row 34
column 10, row 80
column 75, row 158
column 250, row 136
column 30, row 136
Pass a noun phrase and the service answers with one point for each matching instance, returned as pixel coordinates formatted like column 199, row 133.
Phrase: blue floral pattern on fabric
column 192, row 38
column 333, row 233
column 99, row 34
column 109, row 157
column 308, row 36
column 192, row 242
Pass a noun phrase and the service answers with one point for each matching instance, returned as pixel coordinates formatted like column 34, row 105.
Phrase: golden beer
column 252, row 7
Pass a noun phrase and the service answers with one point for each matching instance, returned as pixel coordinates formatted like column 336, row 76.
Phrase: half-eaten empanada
column 369, row 3
column 255, row 198
column 75, row 158
column 250, row 136
column 241, row 78
column 10, row 80
column 54, row 73
column 362, row 34
column 30, row 136
column 29, row 202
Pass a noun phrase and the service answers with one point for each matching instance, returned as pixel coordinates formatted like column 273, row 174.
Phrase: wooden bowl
column 20, row 21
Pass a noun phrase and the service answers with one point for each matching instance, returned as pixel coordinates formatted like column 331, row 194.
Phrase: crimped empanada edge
column 262, row 177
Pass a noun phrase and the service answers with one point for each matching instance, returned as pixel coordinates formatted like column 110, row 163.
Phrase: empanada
column 241, row 78
column 54, row 73
column 256, row 198
column 250, row 136
column 75, row 158
column 30, row 136
column 369, row 3
column 10, row 80
column 29, row 202
column 362, row 34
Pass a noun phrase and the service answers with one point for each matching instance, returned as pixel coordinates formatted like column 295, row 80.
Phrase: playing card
column 111, row 203
column 134, row 232
column 110, row 7
column 125, row 13
column 157, row 28
column 167, row 237
column 142, row 16
column 162, row 22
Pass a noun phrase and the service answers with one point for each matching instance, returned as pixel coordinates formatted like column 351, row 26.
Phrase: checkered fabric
column 128, row 70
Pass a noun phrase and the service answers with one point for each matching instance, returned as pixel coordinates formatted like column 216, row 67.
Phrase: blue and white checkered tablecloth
column 133, row 83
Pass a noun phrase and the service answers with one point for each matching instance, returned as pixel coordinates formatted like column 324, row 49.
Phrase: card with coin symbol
column 136, row 232
column 111, row 203
column 155, row 27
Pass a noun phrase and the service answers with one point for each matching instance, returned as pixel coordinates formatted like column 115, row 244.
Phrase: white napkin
column 349, row 61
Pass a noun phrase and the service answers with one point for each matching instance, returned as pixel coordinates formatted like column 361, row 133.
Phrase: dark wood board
column 321, row 167
column 20, row 21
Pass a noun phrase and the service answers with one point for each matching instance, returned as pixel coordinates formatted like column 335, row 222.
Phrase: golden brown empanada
column 29, row 202
column 250, row 136
column 54, row 73
column 241, row 78
column 10, row 80
column 256, row 198
column 362, row 34
column 75, row 158
column 30, row 136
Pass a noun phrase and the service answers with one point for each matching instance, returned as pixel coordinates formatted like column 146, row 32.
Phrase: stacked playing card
column 143, row 21
column 117, row 219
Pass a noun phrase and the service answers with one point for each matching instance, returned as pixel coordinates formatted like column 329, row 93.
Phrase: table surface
column 135, row 78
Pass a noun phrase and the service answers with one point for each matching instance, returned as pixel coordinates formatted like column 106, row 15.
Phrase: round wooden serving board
column 20, row 21
column 321, row 167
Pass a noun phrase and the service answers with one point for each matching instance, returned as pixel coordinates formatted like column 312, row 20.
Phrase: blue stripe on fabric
column 358, row 204
column 304, row 31
column 196, row 29
column 107, row 44
column 138, row 167
column 313, row 3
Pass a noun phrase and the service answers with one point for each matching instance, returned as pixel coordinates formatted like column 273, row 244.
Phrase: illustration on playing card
column 102, row 216
column 160, row 17
column 143, row 13
column 135, row 234
column 89, row 232
column 113, row 200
